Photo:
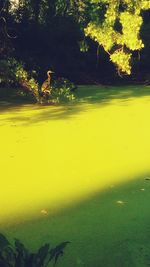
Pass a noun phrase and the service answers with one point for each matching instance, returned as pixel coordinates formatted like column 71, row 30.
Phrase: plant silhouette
column 19, row 256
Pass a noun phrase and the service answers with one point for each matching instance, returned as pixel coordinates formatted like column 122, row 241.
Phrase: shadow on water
column 97, row 94
column 110, row 228
column 87, row 96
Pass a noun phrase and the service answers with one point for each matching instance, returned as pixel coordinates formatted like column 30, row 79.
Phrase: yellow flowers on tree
column 118, row 31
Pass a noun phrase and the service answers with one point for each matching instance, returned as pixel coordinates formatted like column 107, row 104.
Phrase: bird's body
column 46, row 86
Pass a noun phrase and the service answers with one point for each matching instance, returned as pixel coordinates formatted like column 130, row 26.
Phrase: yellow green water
column 77, row 172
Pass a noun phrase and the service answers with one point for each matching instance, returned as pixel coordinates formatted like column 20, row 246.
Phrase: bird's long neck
column 49, row 77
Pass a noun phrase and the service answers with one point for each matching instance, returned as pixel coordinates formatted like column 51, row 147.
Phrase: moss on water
column 85, row 164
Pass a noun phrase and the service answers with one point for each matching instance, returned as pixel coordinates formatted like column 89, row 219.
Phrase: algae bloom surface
column 78, row 171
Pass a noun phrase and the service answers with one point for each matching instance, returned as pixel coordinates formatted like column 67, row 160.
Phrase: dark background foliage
column 48, row 35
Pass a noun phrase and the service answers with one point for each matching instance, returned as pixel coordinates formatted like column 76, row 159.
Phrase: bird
column 46, row 86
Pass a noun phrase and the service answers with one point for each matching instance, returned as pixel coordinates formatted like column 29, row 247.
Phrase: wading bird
column 46, row 86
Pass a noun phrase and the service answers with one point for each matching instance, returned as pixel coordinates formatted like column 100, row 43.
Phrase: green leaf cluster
column 119, row 32
column 122, row 60
column 13, row 73
column 62, row 90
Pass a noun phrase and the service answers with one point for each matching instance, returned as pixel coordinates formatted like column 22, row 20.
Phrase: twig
column 5, row 29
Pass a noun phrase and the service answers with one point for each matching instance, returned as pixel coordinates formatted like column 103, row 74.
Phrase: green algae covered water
column 80, row 173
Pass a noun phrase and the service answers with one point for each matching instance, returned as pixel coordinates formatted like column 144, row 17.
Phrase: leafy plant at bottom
column 19, row 256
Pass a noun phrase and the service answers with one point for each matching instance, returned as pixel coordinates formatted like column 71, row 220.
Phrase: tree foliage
column 118, row 32
column 50, row 32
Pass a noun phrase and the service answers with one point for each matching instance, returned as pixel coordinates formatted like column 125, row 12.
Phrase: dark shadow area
column 110, row 228
column 85, row 95
column 98, row 94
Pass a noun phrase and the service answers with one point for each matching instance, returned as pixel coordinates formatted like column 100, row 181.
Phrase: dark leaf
column 58, row 251
column 58, row 255
column 31, row 260
column 21, row 254
column 9, row 256
column 3, row 242
column 41, row 258
column 4, row 263
column 21, row 248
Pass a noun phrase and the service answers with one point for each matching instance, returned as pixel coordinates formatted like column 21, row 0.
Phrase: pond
column 80, row 173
